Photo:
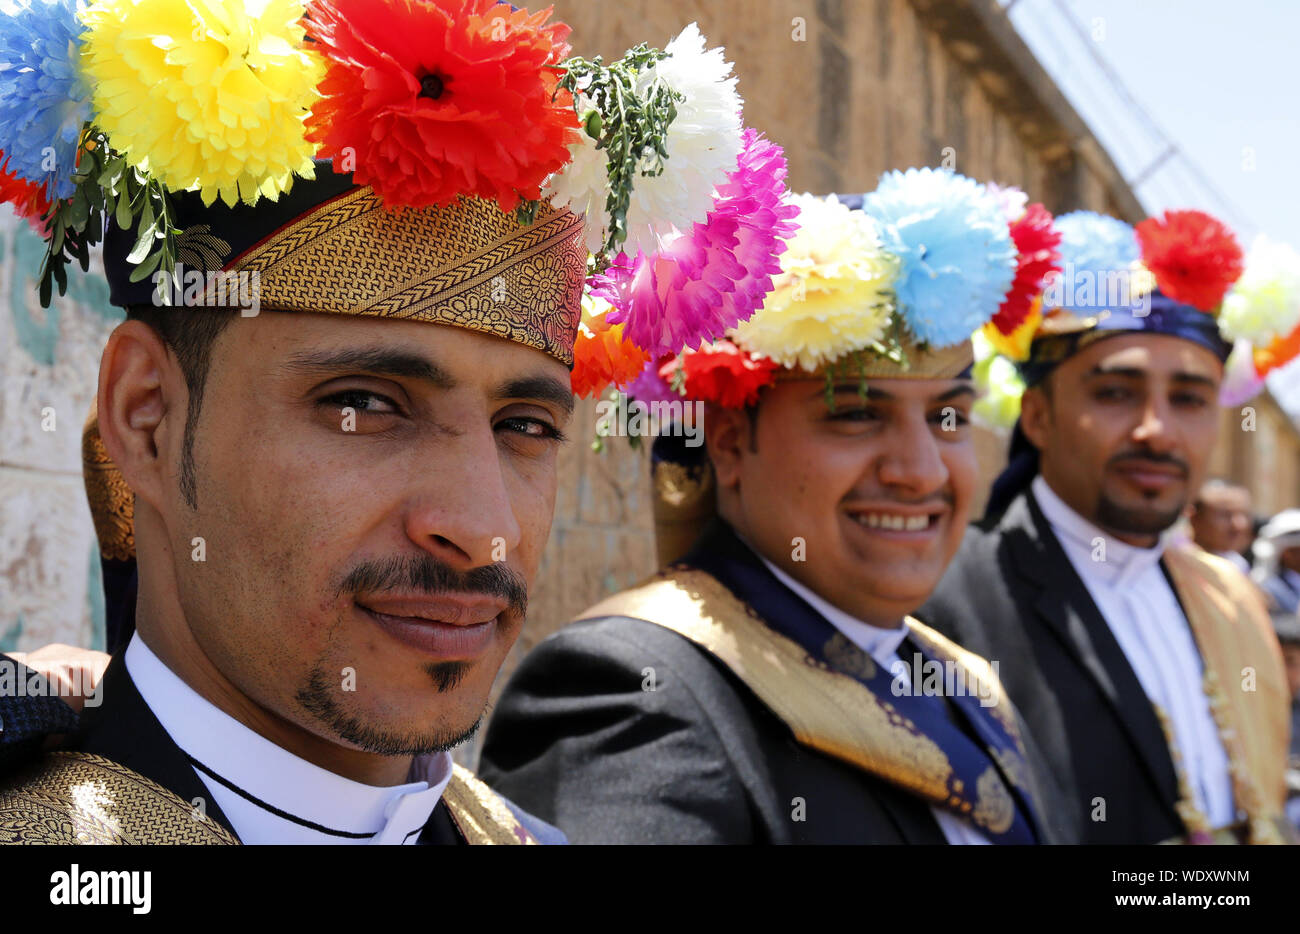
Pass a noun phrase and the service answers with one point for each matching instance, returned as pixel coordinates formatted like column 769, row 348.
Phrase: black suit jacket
column 1012, row 596
column 578, row 738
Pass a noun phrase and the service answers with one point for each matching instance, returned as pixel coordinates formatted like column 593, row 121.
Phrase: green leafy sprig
column 107, row 187
column 631, row 127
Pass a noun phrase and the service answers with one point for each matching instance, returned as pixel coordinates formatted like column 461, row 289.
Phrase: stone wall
column 50, row 588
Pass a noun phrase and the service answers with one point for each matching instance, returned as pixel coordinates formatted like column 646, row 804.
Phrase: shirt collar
column 1117, row 562
column 881, row 644
column 246, row 759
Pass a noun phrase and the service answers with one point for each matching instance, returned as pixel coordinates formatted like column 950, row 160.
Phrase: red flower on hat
column 601, row 356
column 1037, row 255
column 28, row 200
column 1194, row 257
column 723, row 373
column 425, row 100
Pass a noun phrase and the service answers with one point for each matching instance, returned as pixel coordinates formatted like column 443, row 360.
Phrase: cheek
column 532, row 491
column 963, row 473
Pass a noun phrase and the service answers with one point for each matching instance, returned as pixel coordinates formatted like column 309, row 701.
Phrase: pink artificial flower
column 700, row 284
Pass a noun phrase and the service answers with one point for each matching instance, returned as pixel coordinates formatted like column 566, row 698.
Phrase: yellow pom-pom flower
column 834, row 294
column 207, row 95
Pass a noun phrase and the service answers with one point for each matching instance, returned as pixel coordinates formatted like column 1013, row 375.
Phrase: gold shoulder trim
column 977, row 666
column 480, row 814
column 825, row 710
column 75, row 797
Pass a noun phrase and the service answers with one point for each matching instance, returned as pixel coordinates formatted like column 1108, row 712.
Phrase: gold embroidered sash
column 480, row 814
column 1245, row 679
column 76, row 797
column 810, row 697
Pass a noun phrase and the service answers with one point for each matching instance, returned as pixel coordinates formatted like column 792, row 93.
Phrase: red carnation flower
column 28, row 200
column 1037, row 255
column 1194, row 257
column 602, row 357
column 725, row 374
column 425, row 100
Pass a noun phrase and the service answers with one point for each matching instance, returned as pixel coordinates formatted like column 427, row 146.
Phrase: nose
column 461, row 511
column 912, row 462
column 1152, row 429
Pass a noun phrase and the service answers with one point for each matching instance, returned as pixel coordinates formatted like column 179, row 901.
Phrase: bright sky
column 1221, row 79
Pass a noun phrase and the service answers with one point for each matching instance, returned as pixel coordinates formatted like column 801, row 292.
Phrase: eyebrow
column 384, row 361
column 880, row 395
column 1182, row 376
column 541, row 388
column 404, row 363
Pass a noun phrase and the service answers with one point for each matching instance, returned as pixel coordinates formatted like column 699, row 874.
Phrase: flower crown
column 895, row 276
column 1188, row 257
column 109, row 109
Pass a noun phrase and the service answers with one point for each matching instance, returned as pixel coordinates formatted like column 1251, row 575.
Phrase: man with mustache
column 319, row 512
column 769, row 686
column 1148, row 674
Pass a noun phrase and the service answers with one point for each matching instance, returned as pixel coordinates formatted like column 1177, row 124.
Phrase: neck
column 161, row 623
column 1130, row 538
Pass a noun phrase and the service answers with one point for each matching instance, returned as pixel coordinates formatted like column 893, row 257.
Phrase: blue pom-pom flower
column 957, row 259
column 44, row 98
column 1094, row 247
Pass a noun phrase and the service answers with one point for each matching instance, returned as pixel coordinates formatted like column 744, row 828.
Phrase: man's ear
column 1035, row 415
column 726, row 434
column 140, row 385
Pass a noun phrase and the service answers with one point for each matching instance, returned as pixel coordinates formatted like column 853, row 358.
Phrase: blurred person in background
column 1277, row 561
column 1222, row 522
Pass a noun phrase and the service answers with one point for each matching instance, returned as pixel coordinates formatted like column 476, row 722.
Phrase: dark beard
column 1116, row 518
column 316, row 698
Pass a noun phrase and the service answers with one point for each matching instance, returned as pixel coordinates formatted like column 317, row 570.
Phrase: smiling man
column 1148, row 673
column 769, row 686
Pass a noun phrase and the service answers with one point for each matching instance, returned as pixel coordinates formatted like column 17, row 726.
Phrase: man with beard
column 1148, row 674
column 320, row 511
column 769, row 687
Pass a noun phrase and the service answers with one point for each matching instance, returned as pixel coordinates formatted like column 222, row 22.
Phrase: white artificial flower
column 1265, row 302
column 583, row 185
column 703, row 143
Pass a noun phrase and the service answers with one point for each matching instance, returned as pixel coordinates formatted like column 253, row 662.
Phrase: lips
column 1151, row 475
column 447, row 627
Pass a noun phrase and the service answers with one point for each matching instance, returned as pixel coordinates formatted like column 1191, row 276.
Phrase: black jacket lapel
column 1067, row 609
column 124, row 729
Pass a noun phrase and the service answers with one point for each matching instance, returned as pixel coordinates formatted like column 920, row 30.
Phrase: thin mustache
column 428, row 575
column 1152, row 457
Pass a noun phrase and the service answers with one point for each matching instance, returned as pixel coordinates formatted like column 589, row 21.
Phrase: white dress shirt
column 1140, row 607
column 882, row 645
column 274, row 780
